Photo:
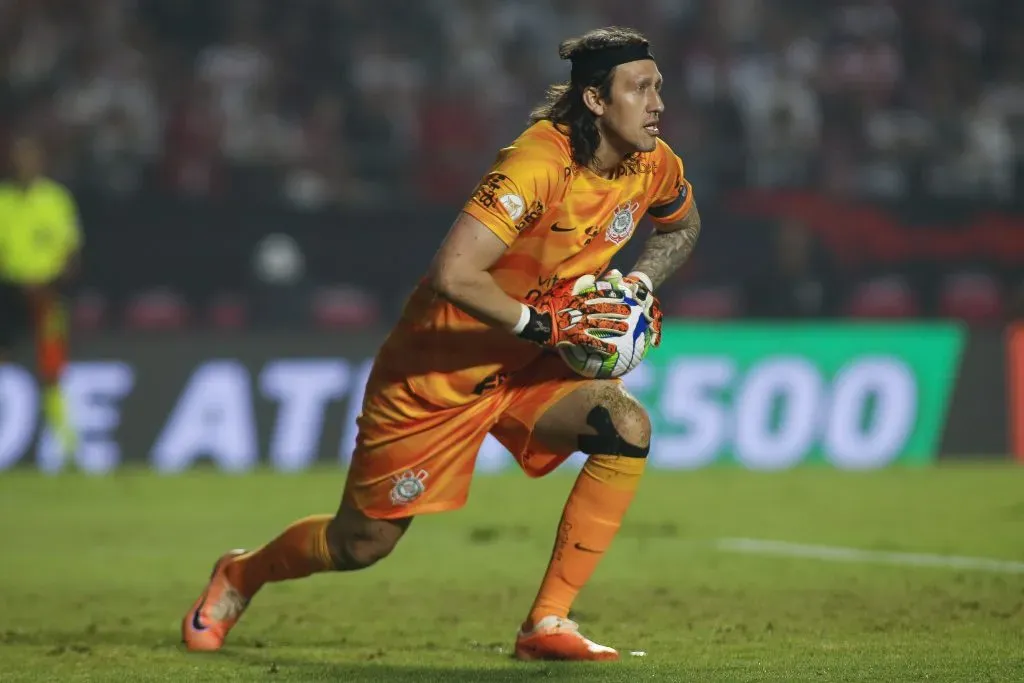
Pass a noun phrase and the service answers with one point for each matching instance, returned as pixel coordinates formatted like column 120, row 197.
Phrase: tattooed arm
column 666, row 250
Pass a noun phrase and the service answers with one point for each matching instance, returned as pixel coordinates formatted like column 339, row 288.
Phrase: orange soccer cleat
column 206, row 625
column 558, row 638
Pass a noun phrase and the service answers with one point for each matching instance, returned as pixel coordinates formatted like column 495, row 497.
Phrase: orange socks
column 299, row 551
column 590, row 520
column 592, row 516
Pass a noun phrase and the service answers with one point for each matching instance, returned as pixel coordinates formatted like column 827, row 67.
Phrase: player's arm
column 460, row 273
column 669, row 247
column 676, row 219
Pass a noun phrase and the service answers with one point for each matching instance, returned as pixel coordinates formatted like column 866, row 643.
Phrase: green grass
column 95, row 574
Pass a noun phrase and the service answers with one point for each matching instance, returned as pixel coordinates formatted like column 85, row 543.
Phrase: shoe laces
column 559, row 624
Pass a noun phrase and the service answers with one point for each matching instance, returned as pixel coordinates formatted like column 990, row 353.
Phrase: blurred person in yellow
column 40, row 241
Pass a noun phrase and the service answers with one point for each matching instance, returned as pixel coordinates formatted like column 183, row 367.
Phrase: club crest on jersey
column 408, row 487
column 621, row 227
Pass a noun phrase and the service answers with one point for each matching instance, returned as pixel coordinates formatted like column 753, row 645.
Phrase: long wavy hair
column 563, row 103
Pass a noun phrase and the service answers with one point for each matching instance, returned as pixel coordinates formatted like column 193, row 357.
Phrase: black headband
column 590, row 62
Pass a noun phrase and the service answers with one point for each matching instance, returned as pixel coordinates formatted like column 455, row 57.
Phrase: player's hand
column 578, row 312
column 638, row 287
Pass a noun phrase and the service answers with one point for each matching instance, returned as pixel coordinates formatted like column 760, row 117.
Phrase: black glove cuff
column 538, row 329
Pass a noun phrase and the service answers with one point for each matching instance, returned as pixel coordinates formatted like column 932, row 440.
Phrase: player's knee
column 633, row 423
column 622, row 425
column 359, row 548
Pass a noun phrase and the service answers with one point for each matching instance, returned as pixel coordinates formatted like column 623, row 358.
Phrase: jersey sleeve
column 516, row 192
column 671, row 194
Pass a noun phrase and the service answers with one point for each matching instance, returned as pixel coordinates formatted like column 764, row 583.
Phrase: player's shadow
column 370, row 672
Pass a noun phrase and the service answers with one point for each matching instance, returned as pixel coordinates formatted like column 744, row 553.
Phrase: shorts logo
column 514, row 205
column 621, row 227
column 408, row 487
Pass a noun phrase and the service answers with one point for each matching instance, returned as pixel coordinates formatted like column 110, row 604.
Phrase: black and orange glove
column 579, row 312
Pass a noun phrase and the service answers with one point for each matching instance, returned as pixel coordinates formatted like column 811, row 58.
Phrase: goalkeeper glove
column 579, row 313
column 638, row 287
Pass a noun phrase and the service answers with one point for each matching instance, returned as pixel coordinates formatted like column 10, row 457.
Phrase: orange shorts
column 413, row 458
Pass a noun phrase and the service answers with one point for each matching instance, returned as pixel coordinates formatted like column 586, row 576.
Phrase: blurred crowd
column 320, row 102
column 284, row 107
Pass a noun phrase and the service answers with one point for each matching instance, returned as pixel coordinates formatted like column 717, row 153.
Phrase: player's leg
column 554, row 418
column 49, row 318
column 404, row 465
column 604, row 421
column 346, row 541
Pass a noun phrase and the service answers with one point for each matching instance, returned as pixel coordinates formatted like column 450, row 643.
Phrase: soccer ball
column 630, row 348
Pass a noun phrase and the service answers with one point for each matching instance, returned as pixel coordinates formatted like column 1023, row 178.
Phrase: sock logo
column 586, row 549
column 408, row 487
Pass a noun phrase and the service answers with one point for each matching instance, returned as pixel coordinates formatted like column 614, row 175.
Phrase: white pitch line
column 755, row 546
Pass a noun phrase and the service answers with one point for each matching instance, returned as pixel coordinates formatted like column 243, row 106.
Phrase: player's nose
column 655, row 105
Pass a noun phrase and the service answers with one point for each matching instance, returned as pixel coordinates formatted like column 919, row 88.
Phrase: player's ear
column 592, row 100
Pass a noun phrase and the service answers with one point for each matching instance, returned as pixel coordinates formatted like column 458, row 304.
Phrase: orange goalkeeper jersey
column 559, row 221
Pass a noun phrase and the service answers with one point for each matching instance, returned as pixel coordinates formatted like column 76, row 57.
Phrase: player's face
column 634, row 113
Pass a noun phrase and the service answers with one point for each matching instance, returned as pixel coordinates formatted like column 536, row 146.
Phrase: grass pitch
column 96, row 573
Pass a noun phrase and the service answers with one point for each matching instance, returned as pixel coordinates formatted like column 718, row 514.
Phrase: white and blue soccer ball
column 630, row 348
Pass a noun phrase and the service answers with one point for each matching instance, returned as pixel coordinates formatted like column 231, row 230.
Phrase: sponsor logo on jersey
column 636, row 166
column 492, row 381
column 535, row 212
column 486, row 193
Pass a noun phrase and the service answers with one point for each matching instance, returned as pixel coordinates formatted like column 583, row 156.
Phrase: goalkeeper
column 471, row 353
column 39, row 247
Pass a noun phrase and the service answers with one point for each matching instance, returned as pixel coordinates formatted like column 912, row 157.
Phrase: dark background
column 254, row 163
